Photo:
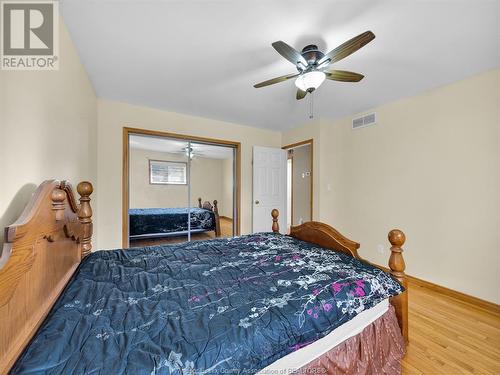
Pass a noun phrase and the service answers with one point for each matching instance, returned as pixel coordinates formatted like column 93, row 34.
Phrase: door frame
column 127, row 131
column 303, row 143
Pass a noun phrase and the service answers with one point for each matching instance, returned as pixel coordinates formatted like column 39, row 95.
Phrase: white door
column 269, row 187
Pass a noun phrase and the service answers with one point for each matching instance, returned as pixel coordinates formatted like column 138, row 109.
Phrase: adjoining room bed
column 249, row 304
column 170, row 222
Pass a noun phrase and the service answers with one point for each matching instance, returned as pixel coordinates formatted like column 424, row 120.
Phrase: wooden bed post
column 85, row 189
column 397, row 265
column 58, row 197
column 276, row 227
column 217, row 219
column 208, row 206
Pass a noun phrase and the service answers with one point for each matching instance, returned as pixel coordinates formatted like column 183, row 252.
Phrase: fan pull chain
column 311, row 105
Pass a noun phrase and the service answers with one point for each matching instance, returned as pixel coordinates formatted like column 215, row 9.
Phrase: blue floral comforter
column 210, row 307
column 145, row 221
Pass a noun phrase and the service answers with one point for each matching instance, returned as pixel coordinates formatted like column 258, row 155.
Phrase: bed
column 250, row 304
column 168, row 222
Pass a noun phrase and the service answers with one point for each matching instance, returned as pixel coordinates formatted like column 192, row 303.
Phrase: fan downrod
column 312, row 54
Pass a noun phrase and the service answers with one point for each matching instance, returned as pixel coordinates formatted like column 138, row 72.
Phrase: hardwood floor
column 449, row 336
column 226, row 230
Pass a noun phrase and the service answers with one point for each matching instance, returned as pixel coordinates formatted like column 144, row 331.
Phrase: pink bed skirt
column 378, row 349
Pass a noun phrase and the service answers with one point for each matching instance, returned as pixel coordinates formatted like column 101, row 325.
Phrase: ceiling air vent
column 366, row 120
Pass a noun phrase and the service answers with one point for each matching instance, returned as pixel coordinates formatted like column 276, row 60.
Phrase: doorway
column 178, row 188
column 300, row 182
column 269, row 187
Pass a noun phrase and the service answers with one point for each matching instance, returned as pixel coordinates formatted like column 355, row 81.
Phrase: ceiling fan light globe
column 310, row 80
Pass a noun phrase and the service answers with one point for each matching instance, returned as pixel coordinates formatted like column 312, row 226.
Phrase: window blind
column 167, row 172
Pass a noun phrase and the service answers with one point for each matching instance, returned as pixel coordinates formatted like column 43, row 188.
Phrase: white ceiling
column 173, row 146
column 202, row 57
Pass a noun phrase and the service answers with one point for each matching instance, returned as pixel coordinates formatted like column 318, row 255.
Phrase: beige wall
column 431, row 167
column 113, row 116
column 48, row 124
column 207, row 182
column 301, row 184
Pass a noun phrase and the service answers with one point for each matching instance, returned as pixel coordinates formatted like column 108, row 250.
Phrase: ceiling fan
column 312, row 64
column 190, row 152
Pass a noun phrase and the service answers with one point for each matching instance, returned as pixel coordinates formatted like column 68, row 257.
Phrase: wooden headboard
column 41, row 252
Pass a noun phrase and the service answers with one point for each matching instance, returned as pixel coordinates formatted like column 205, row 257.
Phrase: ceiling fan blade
column 343, row 76
column 275, row 80
column 347, row 48
column 301, row 94
column 289, row 53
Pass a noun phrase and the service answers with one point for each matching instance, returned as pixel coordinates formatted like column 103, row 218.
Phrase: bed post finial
column 397, row 265
column 199, row 202
column 396, row 262
column 85, row 189
column 276, row 227
column 58, row 196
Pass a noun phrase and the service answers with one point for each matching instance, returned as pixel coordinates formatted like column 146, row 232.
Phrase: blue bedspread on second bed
column 144, row 221
column 209, row 307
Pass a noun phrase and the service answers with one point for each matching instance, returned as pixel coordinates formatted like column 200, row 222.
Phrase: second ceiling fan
column 312, row 64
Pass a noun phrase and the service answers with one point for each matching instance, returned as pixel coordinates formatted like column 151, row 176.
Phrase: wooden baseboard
column 488, row 306
column 465, row 298
column 225, row 217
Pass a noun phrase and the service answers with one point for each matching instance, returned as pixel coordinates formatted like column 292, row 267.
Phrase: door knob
column 257, row 202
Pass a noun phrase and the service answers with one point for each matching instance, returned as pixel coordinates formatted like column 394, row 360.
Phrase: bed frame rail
column 41, row 252
column 326, row 236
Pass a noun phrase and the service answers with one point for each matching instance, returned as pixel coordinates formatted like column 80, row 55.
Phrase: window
column 167, row 172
